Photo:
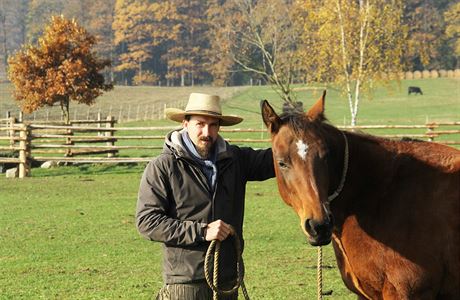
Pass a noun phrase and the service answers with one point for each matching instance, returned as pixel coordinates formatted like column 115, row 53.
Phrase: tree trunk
column 140, row 74
column 65, row 111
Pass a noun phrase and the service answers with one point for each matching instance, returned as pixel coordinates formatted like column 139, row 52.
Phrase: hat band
column 202, row 112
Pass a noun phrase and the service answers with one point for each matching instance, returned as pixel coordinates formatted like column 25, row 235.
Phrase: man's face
column 203, row 132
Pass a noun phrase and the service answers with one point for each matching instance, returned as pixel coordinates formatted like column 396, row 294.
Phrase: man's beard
column 205, row 149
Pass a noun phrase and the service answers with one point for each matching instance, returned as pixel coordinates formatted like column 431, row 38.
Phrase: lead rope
column 214, row 246
column 319, row 268
column 319, row 272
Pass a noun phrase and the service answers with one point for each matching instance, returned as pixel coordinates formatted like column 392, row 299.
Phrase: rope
column 214, row 246
column 319, row 269
column 319, row 273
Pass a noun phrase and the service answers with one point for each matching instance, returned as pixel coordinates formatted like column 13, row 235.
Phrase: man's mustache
column 206, row 139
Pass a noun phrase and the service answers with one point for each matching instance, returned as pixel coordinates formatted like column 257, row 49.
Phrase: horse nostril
column 310, row 227
column 316, row 229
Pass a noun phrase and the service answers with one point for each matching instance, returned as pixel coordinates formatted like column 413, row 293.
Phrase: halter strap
column 344, row 171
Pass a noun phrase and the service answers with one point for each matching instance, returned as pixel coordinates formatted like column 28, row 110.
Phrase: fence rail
column 101, row 142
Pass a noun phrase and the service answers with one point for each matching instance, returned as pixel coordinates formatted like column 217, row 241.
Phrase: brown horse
column 391, row 208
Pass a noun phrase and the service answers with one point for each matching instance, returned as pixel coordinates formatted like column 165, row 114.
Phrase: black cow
column 414, row 89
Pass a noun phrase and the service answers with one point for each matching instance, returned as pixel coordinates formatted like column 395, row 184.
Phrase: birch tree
column 352, row 44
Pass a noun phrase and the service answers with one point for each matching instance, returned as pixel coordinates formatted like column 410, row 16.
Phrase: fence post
column 110, row 133
column 11, row 133
column 24, row 151
column 430, row 130
column 68, row 141
column 99, row 133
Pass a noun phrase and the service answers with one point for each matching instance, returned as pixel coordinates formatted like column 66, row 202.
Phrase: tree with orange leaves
column 60, row 69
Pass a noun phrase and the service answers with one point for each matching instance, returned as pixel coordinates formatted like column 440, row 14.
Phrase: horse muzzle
column 319, row 233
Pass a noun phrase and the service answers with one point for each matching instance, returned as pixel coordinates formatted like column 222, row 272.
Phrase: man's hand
column 218, row 230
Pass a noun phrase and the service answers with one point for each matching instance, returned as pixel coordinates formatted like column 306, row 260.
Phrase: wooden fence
column 99, row 141
column 124, row 112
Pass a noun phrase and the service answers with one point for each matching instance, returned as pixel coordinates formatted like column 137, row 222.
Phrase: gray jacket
column 175, row 204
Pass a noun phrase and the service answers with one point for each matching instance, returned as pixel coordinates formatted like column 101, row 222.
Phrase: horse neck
column 369, row 167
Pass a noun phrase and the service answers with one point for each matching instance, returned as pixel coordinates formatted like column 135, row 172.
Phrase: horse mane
column 300, row 122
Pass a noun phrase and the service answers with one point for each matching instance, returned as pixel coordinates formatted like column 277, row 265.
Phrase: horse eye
column 282, row 164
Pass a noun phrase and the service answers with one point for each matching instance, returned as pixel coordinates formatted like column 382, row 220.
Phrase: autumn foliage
column 59, row 69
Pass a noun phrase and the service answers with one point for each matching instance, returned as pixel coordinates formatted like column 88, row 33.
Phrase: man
column 193, row 193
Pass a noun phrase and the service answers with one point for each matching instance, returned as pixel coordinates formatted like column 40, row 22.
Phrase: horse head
column 301, row 150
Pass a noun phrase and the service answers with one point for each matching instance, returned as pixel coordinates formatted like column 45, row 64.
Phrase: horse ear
column 269, row 116
column 316, row 112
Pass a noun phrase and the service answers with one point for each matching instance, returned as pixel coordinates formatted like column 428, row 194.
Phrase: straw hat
column 202, row 105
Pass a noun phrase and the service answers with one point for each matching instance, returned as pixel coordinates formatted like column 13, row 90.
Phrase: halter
column 344, row 172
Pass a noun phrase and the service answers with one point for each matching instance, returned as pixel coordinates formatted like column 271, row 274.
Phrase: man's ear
column 269, row 116
column 316, row 112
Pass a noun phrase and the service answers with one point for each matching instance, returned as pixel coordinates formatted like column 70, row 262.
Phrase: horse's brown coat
column 396, row 230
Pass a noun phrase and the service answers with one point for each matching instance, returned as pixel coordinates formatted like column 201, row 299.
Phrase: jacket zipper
column 197, row 167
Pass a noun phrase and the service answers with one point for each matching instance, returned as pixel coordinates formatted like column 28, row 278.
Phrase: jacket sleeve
column 152, row 219
column 258, row 163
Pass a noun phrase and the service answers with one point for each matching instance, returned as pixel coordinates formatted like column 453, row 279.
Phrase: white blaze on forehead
column 302, row 149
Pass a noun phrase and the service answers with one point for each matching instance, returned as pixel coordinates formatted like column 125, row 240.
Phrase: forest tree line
column 187, row 42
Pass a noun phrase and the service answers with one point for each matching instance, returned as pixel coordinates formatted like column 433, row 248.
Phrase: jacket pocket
column 172, row 259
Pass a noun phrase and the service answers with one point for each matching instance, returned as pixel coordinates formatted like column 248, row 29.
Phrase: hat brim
column 178, row 115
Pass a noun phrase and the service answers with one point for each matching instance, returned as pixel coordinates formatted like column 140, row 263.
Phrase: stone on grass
column 12, row 173
column 48, row 164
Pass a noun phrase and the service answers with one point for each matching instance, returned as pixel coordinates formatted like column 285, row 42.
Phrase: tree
column 425, row 23
column 99, row 23
column 452, row 17
column 352, row 44
column 133, row 26
column 39, row 13
column 59, row 69
column 261, row 39
column 186, row 43
column 12, row 30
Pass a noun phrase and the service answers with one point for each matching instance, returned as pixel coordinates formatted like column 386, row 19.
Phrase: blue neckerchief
column 207, row 165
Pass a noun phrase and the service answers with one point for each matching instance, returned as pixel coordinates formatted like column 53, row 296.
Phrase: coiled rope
column 214, row 251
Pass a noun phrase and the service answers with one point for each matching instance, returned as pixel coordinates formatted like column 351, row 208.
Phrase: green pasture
column 69, row 232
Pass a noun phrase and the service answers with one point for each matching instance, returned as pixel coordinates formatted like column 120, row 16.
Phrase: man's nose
column 205, row 130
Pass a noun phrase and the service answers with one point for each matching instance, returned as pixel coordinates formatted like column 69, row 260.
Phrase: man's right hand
column 218, row 230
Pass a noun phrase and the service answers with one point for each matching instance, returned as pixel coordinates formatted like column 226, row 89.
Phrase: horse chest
column 360, row 272
column 373, row 270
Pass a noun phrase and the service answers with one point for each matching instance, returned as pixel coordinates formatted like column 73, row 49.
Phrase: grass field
column 69, row 233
